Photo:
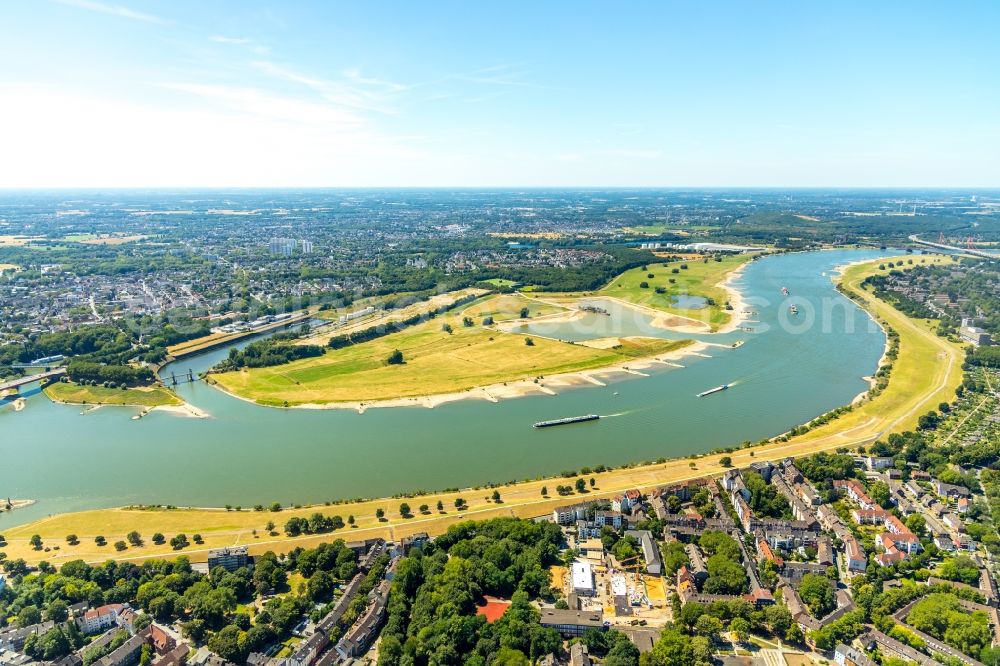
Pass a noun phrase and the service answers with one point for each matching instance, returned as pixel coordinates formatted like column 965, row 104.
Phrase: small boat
column 793, row 309
column 713, row 390
column 784, row 291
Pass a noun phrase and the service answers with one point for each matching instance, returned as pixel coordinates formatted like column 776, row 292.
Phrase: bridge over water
column 30, row 379
column 941, row 246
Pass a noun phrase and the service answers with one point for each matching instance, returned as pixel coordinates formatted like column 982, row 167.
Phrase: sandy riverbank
column 185, row 409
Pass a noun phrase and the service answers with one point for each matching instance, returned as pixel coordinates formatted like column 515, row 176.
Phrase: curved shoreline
column 525, row 386
column 182, row 408
column 522, row 498
column 515, row 388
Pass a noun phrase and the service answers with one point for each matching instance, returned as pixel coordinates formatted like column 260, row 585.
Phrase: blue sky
column 137, row 93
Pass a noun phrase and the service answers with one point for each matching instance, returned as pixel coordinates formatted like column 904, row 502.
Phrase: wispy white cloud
column 222, row 39
column 355, row 91
column 509, row 75
column 243, row 100
column 257, row 48
column 113, row 10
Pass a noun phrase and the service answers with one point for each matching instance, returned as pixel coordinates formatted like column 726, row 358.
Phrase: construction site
column 622, row 590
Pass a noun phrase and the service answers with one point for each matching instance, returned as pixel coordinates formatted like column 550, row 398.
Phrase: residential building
column 875, row 463
column 571, row 623
column 856, row 492
column 99, row 619
column 855, row 554
column 950, row 490
column 567, row 515
column 848, row 656
column 230, row 559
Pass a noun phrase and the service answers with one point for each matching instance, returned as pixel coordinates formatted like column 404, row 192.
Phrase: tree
column 960, row 568
column 740, row 628
column 404, row 510
column 581, row 485
column 725, row 576
column 673, row 648
column 179, row 542
column 120, row 546
column 778, row 619
column 625, row 549
column 817, row 593
column 446, row 328
column 544, row 491
column 424, row 509
column 390, row 650
column 708, row 626
column 440, row 505
column 496, row 496
column 320, row 587
column 726, row 461
column 50, row 646
column 529, row 342
column 916, row 524
column 36, row 541
column 674, row 557
column 395, row 358
column 72, row 539
column 525, row 313
column 460, row 503
column 380, row 513
column 226, row 644
column 99, row 540
column 714, row 542
column 28, row 616
column 879, row 492
column 158, row 538
column 134, row 538
column 57, row 611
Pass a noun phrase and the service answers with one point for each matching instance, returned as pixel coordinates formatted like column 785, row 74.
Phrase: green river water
column 783, row 375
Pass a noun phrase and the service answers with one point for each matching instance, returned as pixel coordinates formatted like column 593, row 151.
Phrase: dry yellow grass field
column 436, row 362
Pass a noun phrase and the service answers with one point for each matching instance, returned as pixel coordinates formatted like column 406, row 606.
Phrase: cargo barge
column 713, row 390
column 566, row 421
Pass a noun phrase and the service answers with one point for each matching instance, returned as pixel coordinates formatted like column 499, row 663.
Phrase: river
column 246, row 454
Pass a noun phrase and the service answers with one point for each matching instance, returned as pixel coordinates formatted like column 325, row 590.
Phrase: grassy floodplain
column 926, row 372
column 153, row 396
column 507, row 307
column 698, row 279
column 436, row 361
